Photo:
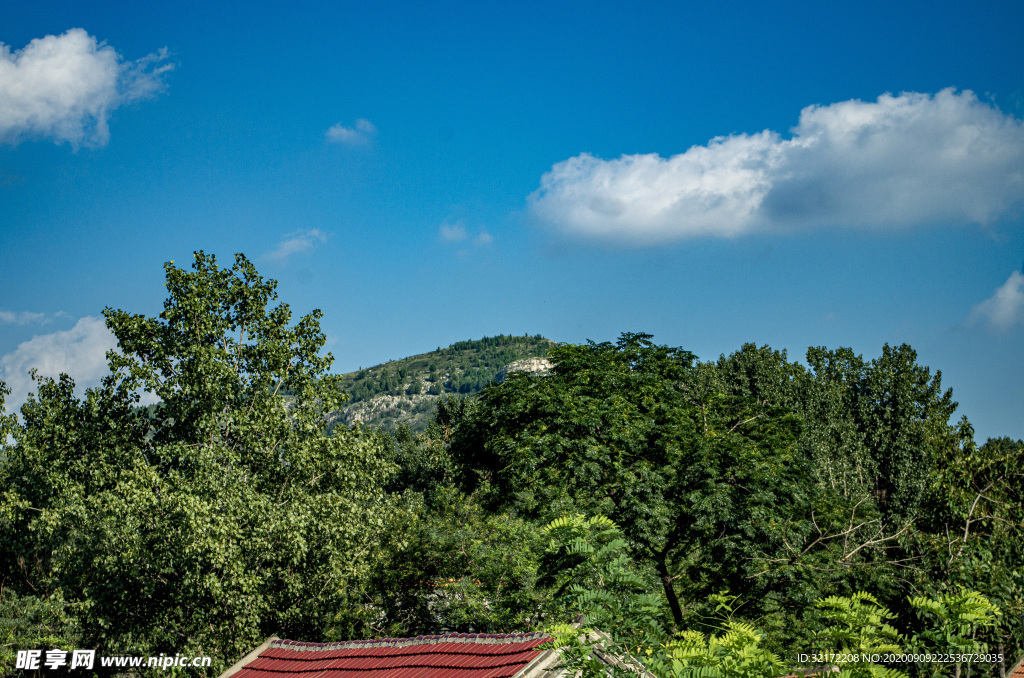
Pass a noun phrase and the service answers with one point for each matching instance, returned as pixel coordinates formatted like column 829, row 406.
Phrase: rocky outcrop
column 538, row 366
column 387, row 406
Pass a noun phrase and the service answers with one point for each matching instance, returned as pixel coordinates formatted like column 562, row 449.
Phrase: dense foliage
column 856, row 639
column 702, row 482
column 753, row 477
column 725, row 515
column 221, row 515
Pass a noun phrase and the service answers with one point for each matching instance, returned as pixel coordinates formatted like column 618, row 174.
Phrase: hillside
column 406, row 390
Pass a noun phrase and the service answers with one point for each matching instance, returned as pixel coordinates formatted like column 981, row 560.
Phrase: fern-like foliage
column 735, row 653
column 954, row 621
column 859, row 631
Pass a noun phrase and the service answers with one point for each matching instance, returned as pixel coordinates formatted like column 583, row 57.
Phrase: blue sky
column 796, row 174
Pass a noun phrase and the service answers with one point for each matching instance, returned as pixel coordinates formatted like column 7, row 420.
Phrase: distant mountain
column 406, row 391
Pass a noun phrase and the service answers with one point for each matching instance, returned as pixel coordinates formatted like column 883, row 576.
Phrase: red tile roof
column 456, row 655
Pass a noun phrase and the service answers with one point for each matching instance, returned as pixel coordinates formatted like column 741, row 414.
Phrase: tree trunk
column 670, row 594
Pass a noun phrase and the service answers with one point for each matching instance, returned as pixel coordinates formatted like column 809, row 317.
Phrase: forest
column 715, row 517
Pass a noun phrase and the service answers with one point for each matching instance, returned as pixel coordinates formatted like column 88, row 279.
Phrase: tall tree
column 884, row 422
column 220, row 514
column 701, row 481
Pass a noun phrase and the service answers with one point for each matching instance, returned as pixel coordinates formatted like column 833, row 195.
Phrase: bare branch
column 974, row 505
column 745, row 421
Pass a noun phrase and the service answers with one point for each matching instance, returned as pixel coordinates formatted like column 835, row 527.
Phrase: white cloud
column 452, row 232
column 65, row 86
column 28, row 317
column 1004, row 309
column 456, row 232
column 79, row 352
column 22, row 318
column 296, row 243
column 899, row 161
column 360, row 133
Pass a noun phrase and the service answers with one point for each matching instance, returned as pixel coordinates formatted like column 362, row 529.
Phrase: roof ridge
column 473, row 638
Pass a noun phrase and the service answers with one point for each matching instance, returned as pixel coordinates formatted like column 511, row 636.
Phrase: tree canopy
column 205, row 496
column 629, row 430
column 220, row 514
column 752, row 475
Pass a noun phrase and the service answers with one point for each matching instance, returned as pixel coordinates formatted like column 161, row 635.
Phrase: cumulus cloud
column 64, row 87
column 1004, row 309
column 297, row 242
column 361, row 133
column 899, row 161
column 79, row 352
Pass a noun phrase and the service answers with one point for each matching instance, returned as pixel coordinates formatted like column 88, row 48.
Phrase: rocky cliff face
column 538, row 366
column 406, row 409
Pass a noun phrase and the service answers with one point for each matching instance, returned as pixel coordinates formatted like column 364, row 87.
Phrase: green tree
column 700, row 480
column 458, row 568
column 893, row 419
column 452, row 566
column 224, row 513
column 970, row 526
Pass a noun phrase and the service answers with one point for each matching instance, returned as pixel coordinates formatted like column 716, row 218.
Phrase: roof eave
column 251, row 657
